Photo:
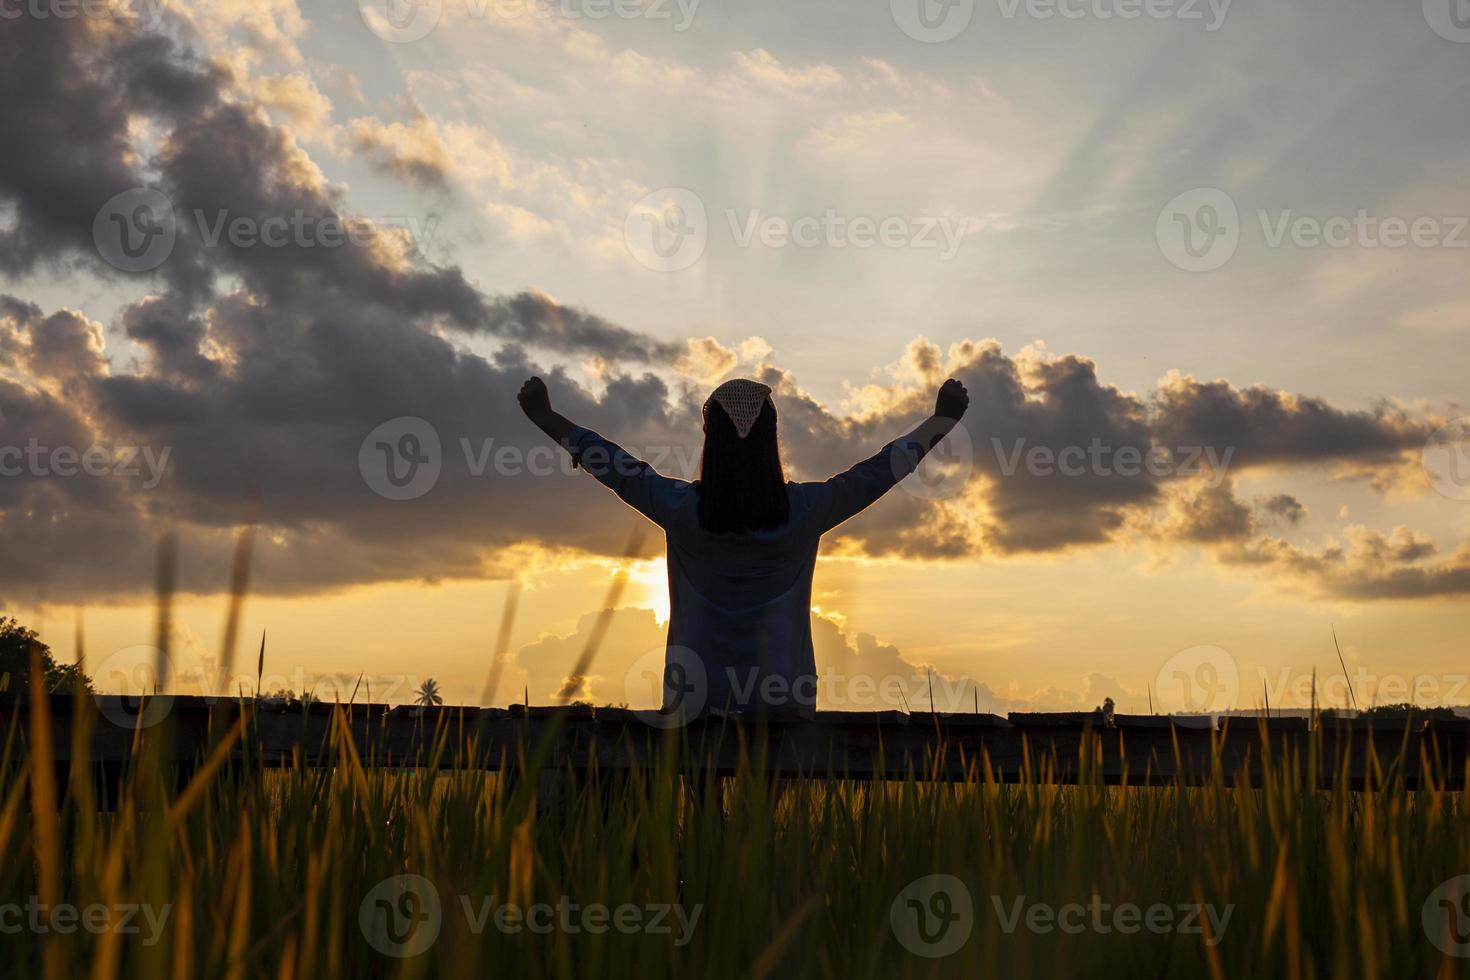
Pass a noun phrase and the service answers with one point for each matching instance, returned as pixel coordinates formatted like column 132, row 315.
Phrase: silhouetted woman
column 742, row 541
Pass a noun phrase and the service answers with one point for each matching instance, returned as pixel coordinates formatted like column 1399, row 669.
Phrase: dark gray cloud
column 73, row 88
column 1264, row 427
column 1442, row 581
column 1370, row 565
column 534, row 318
column 1212, row 514
column 1282, row 507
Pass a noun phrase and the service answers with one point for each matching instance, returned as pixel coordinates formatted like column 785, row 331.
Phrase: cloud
column 1282, row 507
column 532, row 317
column 263, row 370
column 761, row 66
column 1266, row 427
column 73, row 122
column 707, row 360
column 1365, row 565
column 296, row 97
column 413, row 150
column 60, row 346
column 1211, row 514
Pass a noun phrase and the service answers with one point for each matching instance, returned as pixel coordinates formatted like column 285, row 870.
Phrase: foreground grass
column 242, row 872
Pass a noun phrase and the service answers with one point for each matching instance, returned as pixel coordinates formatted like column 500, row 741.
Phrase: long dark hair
column 741, row 484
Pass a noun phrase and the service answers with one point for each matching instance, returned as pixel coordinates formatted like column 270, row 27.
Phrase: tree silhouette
column 428, row 695
column 16, row 642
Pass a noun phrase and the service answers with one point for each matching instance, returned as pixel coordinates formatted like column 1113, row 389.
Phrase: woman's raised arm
column 848, row 493
column 536, row 403
column 639, row 485
column 949, row 406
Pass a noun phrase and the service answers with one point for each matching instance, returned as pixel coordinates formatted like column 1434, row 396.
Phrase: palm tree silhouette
column 428, row 695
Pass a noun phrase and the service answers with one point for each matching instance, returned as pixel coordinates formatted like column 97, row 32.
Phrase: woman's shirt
column 740, row 604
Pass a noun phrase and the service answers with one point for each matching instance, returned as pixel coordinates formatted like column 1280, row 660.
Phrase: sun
column 649, row 587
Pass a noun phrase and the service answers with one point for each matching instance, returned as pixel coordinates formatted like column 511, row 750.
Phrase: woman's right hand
column 952, row 401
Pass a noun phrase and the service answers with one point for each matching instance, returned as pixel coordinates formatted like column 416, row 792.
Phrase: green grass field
column 301, row 872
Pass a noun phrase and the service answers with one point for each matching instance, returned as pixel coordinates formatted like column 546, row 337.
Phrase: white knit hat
column 742, row 400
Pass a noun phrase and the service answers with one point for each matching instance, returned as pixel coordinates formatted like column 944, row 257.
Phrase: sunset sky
column 639, row 200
